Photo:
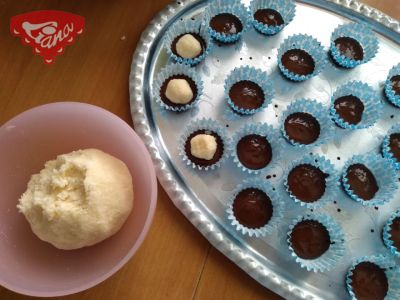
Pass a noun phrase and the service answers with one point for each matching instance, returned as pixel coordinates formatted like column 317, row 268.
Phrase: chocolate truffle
column 173, row 102
column 307, row 183
column 252, row 208
column 247, row 95
column 309, row 239
column 350, row 48
column 188, row 45
column 369, row 282
column 298, row 62
column 362, row 182
column 254, row 151
column 394, row 145
column 302, row 128
column 349, row 108
column 226, row 23
column 269, row 17
column 395, row 83
column 201, row 161
column 395, row 233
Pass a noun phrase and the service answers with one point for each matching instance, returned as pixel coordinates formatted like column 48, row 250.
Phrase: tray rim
column 182, row 201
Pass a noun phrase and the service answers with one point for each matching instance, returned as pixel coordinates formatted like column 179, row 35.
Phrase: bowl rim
column 147, row 223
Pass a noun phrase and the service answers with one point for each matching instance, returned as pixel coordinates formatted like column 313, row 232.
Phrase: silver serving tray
column 202, row 197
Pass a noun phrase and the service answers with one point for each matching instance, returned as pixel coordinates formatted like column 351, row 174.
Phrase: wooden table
column 175, row 261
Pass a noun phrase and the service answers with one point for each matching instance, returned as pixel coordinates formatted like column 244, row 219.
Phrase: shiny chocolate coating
column 394, row 145
column 349, row 108
column 369, row 282
column 307, row 183
column 254, row 151
column 302, row 128
column 395, row 82
column 362, row 182
column 350, row 48
column 298, row 62
column 252, row 208
column 395, row 233
column 247, row 95
column 226, row 23
column 310, row 239
column 269, row 17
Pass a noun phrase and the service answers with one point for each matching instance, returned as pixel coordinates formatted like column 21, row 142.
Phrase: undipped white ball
column 178, row 91
column 203, row 146
column 188, row 46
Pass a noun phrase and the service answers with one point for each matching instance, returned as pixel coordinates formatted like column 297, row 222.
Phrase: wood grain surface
column 175, row 261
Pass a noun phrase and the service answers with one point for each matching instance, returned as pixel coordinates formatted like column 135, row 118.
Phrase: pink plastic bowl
column 32, row 267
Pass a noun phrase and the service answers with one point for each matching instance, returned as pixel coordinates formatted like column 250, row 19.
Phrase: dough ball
column 179, row 91
column 188, row 46
column 78, row 199
column 203, row 146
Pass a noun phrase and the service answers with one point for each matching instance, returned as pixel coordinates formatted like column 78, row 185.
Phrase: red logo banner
column 48, row 32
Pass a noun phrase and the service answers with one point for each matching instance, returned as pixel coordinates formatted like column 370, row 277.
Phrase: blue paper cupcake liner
column 203, row 124
column 391, row 271
column 387, row 153
column 234, row 7
column 308, row 44
column 335, row 252
column 250, row 74
column 277, row 205
column 368, row 96
column 390, row 94
column 170, row 71
column 286, row 8
column 183, row 27
column 387, row 236
column 384, row 173
column 331, row 182
column 261, row 129
column 363, row 35
column 319, row 112
column 230, row 115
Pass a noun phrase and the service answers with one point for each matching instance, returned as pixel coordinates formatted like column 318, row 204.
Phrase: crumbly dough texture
column 188, row 46
column 178, row 91
column 203, row 146
column 78, row 199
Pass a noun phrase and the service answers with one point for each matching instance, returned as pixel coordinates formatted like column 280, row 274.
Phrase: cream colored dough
column 78, row 199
